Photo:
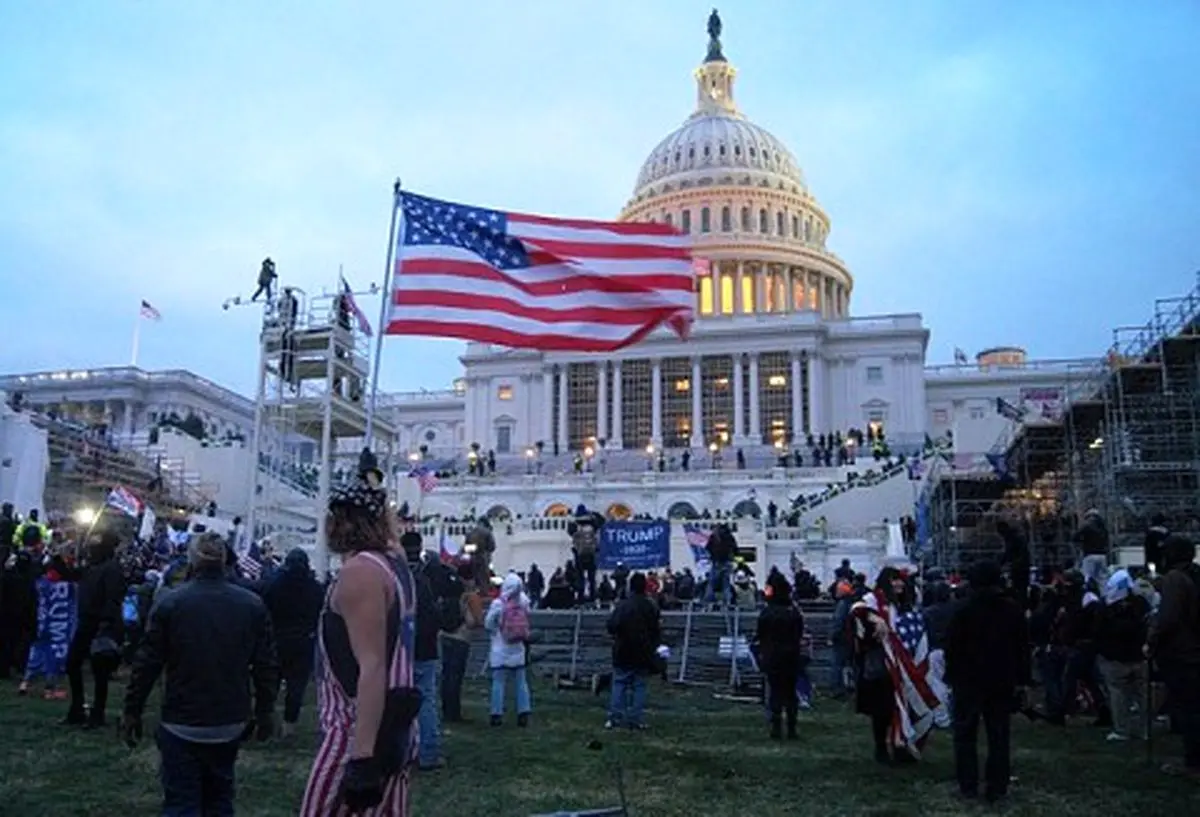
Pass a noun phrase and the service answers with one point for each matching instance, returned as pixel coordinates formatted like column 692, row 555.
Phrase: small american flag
column 697, row 539
column 530, row 282
column 360, row 317
column 250, row 563
column 123, row 500
column 426, row 479
column 148, row 311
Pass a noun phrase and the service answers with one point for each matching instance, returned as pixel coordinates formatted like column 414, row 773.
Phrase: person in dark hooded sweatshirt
column 1174, row 643
column 1016, row 559
column 294, row 598
column 780, row 630
column 101, row 593
column 987, row 653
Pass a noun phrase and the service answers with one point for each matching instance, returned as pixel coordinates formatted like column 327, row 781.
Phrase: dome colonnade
column 741, row 194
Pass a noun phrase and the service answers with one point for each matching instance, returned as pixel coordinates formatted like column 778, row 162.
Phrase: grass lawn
column 700, row 757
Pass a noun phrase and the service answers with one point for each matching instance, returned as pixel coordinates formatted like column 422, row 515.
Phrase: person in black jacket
column 987, row 652
column 294, row 599
column 425, row 651
column 636, row 630
column 780, row 630
column 99, row 625
column 1016, row 559
column 215, row 641
column 1156, row 534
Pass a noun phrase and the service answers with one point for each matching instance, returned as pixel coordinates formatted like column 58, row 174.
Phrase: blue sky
column 1020, row 172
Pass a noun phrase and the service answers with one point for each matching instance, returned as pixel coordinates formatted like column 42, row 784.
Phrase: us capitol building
column 775, row 355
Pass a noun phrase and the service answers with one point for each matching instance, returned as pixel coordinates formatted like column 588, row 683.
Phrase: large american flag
column 532, row 282
column 906, row 649
column 426, row 479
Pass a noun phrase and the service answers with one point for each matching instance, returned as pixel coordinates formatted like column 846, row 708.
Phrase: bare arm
column 362, row 598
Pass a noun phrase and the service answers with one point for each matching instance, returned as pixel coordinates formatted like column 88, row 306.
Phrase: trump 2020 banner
column 637, row 545
column 56, row 627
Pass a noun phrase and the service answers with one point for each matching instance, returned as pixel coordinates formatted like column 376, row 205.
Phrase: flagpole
column 384, row 303
column 137, row 336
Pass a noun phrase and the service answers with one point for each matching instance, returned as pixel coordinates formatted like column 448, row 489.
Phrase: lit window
column 727, row 294
column 685, row 221
column 748, row 294
column 706, row 295
column 504, row 393
column 777, row 381
column 683, row 384
column 705, row 220
column 722, row 382
column 798, row 292
column 874, row 374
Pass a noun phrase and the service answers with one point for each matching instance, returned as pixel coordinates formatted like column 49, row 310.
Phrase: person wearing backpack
column 508, row 622
column 1120, row 632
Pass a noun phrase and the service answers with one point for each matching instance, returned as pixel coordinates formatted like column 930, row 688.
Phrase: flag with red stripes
column 532, row 282
column 360, row 317
column 901, row 634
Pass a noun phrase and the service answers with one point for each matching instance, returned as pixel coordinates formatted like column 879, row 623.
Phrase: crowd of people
column 388, row 643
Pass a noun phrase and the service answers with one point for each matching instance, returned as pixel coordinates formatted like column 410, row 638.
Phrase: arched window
column 705, row 220
column 764, row 223
column 795, row 226
column 685, row 221
column 726, row 220
column 745, row 219
column 779, row 223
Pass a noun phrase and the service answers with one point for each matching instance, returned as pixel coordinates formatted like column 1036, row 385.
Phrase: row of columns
column 834, row 299
column 603, row 403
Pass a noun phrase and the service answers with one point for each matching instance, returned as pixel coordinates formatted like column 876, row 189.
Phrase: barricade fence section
column 711, row 648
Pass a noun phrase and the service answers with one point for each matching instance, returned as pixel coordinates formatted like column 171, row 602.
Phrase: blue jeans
column 524, row 700
column 837, row 680
column 718, row 575
column 425, row 678
column 1052, row 664
column 628, row 702
column 197, row 778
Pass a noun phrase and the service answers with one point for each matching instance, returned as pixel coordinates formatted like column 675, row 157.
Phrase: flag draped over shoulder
column 532, row 282
column 906, row 651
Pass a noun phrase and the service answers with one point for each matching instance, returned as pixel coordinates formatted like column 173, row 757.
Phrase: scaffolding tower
column 310, row 422
column 1150, row 461
column 1034, row 477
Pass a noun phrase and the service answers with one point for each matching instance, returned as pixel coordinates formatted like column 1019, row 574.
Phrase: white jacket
column 502, row 654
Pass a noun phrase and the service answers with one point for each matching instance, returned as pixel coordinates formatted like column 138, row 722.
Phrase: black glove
column 131, row 729
column 362, row 785
column 264, row 727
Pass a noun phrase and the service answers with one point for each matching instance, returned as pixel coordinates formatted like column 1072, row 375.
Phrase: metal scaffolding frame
column 313, row 394
column 1127, row 443
column 1151, row 446
column 1033, row 475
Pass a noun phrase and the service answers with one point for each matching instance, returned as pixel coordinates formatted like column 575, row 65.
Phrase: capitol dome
column 740, row 193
